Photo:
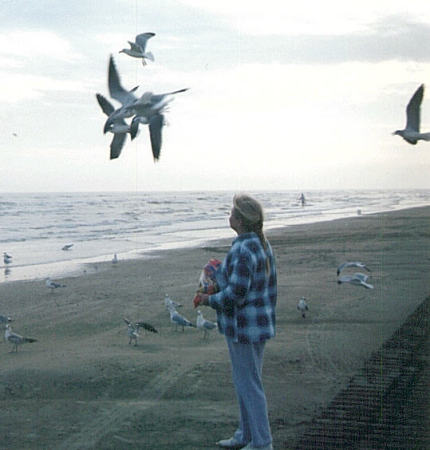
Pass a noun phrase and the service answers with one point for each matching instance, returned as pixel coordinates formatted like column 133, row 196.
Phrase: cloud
column 308, row 17
column 33, row 44
column 25, row 87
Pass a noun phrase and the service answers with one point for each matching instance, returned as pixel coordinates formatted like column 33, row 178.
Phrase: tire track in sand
column 113, row 417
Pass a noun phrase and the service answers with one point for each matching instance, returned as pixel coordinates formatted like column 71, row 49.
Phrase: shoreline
column 82, row 266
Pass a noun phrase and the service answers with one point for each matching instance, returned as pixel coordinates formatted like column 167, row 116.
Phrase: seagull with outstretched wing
column 358, row 279
column 412, row 132
column 118, row 127
column 138, row 48
column 351, row 264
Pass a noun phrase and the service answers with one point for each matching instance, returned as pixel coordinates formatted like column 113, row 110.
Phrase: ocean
column 35, row 227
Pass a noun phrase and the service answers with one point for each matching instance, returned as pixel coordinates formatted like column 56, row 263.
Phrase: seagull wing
column 134, row 127
column 146, row 326
column 155, row 127
column 361, row 276
column 413, row 110
column 105, row 105
column 115, row 88
column 142, row 38
column 117, row 144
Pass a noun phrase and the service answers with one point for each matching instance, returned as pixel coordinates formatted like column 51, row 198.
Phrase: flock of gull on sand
column 177, row 319
column 149, row 109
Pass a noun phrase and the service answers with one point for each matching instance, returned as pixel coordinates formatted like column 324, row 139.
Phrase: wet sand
column 82, row 386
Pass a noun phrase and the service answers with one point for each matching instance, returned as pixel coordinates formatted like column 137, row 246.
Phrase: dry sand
column 82, row 386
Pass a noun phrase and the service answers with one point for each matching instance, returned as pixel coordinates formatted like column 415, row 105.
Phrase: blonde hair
column 251, row 214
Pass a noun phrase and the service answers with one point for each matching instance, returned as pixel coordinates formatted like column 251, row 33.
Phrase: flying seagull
column 16, row 339
column 351, row 264
column 177, row 319
column 205, row 325
column 67, row 247
column 302, row 307
column 137, row 48
column 118, row 127
column 412, row 133
column 358, row 279
column 120, row 94
column 149, row 110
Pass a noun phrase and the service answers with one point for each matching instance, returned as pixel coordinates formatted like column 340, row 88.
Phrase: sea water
column 35, row 227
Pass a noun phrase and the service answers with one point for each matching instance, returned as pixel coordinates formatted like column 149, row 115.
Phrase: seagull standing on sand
column 205, row 325
column 53, row 285
column 7, row 259
column 168, row 302
column 177, row 319
column 302, row 307
column 351, row 264
column 145, row 325
column 358, row 279
column 5, row 319
column 137, row 48
column 412, row 133
column 132, row 332
column 16, row 339
column 115, row 259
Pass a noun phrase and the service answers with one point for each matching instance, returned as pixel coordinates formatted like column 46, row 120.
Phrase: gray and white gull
column 179, row 320
column 16, row 339
column 204, row 324
column 147, row 109
column 138, row 48
column 53, row 284
column 119, row 127
column 358, row 279
column 411, row 133
column 351, row 264
column 141, row 324
column 302, row 306
column 132, row 332
column 169, row 302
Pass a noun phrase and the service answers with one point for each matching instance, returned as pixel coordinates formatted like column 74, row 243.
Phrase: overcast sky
column 283, row 94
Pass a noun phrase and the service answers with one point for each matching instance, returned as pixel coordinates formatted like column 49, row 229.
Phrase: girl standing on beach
column 245, row 307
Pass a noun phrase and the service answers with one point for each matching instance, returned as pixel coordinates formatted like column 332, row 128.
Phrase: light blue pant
column 247, row 365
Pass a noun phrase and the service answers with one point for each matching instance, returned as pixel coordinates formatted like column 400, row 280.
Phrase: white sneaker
column 231, row 443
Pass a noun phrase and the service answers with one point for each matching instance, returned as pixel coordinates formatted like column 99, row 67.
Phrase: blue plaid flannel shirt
column 245, row 303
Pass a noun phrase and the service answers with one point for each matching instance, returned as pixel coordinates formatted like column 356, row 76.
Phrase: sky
column 282, row 94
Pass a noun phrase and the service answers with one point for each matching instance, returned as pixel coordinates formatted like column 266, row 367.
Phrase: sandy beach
column 81, row 385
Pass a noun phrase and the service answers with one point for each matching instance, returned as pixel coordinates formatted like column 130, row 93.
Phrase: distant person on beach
column 302, row 199
column 245, row 306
